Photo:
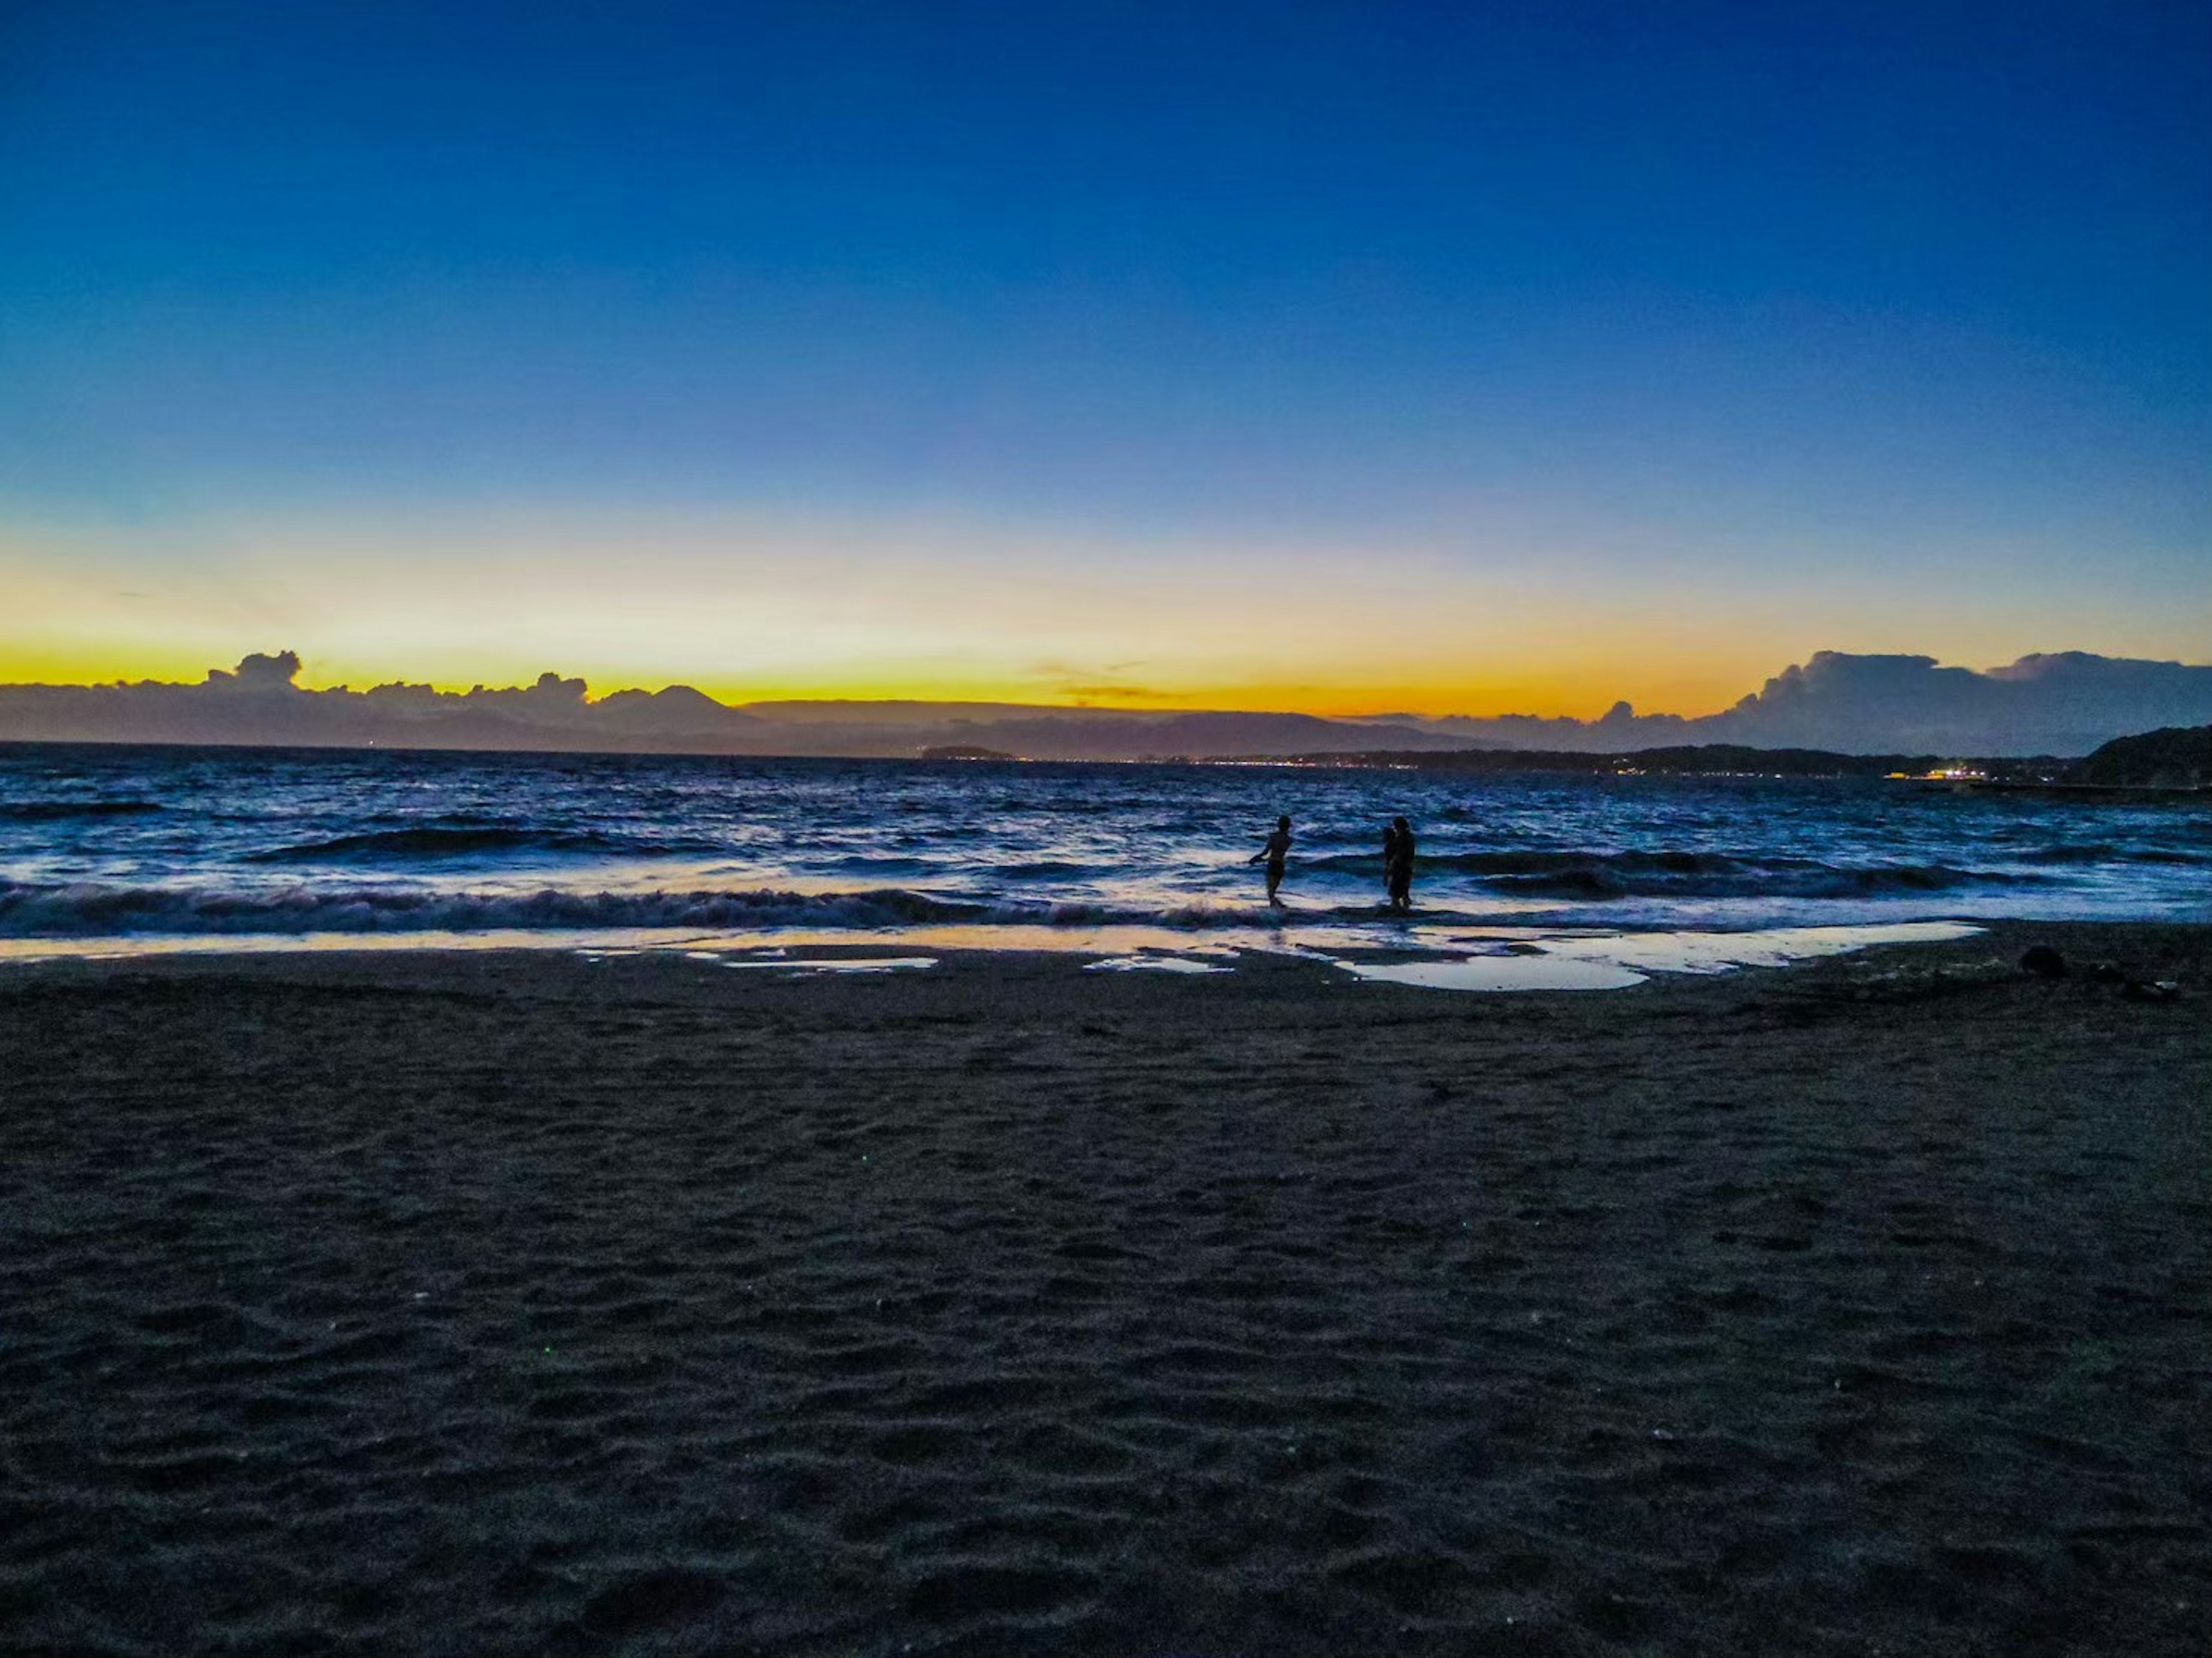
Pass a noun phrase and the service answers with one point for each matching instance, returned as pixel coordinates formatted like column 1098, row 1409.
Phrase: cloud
column 2064, row 704
column 259, row 673
column 1121, row 693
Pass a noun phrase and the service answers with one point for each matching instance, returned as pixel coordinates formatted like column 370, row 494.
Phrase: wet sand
column 514, row 1304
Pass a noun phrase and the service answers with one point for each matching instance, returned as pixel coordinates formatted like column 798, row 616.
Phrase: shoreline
column 514, row 1303
column 1981, row 954
column 1482, row 961
column 1356, row 946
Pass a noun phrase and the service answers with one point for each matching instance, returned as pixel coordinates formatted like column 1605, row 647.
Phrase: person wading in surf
column 1277, row 853
column 1398, row 864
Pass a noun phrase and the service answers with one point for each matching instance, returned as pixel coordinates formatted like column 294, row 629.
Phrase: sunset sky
column 1454, row 358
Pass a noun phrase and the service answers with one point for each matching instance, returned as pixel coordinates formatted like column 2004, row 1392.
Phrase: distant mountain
column 1049, row 734
column 260, row 702
column 2180, row 757
column 2064, row 704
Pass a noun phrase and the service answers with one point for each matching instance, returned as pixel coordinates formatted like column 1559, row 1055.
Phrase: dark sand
column 514, row 1304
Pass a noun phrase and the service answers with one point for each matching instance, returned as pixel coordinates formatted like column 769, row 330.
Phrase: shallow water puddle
column 1725, row 952
column 830, row 964
column 1154, row 964
column 1617, row 961
column 1514, row 972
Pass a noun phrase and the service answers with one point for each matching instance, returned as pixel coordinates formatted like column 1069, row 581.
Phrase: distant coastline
column 2143, row 766
column 2173, row 763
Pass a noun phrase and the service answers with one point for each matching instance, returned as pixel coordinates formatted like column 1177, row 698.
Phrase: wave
column 89, row 909
column 423, row 842
column 57, row 811
column 1814, row 881
column 449, row 820
column 864, row 864
column 29, row 910
column 1591, row 875
column 1549, row 863
column 2105, row 854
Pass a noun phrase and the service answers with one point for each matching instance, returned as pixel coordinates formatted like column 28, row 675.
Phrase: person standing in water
column 1277, row 853
column 1398, row 864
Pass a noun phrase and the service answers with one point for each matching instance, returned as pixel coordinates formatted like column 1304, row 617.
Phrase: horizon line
column 1146, row 703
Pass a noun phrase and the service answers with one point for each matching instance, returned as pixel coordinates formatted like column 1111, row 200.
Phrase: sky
column 1347, row 359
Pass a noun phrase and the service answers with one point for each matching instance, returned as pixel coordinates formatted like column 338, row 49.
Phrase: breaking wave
column 1549, row 863
column 1662, row 873
column 29, row 910
column 471, row 842
column 82, row 910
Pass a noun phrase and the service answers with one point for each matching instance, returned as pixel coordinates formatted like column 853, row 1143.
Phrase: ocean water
column 259, row 846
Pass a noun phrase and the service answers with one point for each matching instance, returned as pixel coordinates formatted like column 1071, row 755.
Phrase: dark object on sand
column 2105, row 973
column 2144, row 990
column 2043, row 962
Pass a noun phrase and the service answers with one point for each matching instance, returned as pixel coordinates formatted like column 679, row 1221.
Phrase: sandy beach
column 518, row 1303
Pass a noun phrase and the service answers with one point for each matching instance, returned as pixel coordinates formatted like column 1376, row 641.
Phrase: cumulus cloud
column 258, row 673
column 2064, row 704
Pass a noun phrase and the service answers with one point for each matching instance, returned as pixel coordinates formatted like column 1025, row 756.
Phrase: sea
column 110, row 851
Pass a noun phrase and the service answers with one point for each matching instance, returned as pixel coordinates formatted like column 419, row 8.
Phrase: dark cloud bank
column 2064, row 704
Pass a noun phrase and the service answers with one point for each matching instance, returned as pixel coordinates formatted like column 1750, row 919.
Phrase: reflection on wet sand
column 1500, row 972
column 1442, row 958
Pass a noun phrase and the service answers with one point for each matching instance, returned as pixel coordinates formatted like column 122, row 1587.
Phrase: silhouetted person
column 1277, row 852
column 1398, row 863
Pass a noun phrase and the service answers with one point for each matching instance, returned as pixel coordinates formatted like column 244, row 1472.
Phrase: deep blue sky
column 1484, row 351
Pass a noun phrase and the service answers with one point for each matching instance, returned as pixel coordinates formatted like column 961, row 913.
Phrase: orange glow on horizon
column 755, row 607
column 1544, row 695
